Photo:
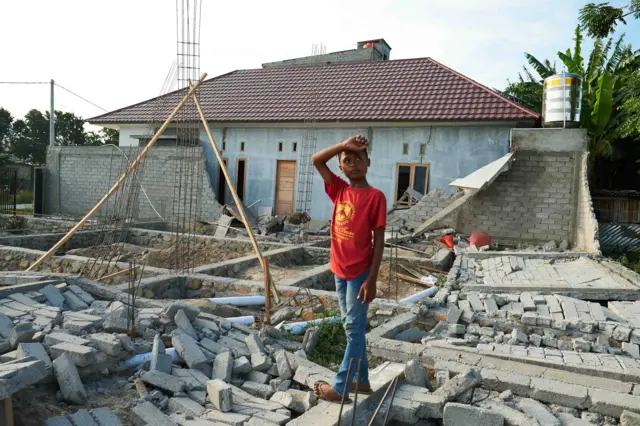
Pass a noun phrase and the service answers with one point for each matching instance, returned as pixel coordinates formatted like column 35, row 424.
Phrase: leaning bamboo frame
column 239, row 204
column 119, row 182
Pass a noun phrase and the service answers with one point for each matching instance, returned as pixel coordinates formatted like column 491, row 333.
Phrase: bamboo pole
column 267, row 293
column 236, row 199
column 115, row 274
column 117, row 185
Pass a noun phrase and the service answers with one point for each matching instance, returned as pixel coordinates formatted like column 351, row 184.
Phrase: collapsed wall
column 78, row 177
column 430, row 205
column 536, row 200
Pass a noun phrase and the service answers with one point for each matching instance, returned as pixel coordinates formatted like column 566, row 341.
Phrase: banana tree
column 528, row 89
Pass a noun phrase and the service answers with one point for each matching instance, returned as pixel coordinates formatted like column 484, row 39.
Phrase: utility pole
column 52, row 119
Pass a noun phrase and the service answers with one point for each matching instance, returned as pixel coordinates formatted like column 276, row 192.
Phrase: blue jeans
column 354, row 318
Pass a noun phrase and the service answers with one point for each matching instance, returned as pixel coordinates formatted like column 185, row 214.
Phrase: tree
column 29, row 138
column 528, row 90
column 600, row 20
column 6, row 119
column 69, row 129
column 630, row 125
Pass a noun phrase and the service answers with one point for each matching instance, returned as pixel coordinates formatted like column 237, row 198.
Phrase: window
column 405, row 149
column 241, row 176
column 414, row 176
column 224, row 145
column 242, row 146
column 221, row 193
column 423, row 148
column 295, row 147
column 279, row 146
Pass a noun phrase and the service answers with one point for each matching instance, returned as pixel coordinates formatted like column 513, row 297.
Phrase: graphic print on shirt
column 345, row 211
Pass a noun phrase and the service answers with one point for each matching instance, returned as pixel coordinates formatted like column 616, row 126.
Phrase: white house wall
column 452, row 152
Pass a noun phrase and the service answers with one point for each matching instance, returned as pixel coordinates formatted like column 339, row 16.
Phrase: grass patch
column 628, row 260
column 332, row 343
column 24, row 197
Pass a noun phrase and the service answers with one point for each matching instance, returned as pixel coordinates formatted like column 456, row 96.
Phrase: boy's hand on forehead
column 356, row 143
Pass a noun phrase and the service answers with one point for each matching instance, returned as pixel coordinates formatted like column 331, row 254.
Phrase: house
column 427, row 123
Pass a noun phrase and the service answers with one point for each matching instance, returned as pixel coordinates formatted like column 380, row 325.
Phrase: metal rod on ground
column 393, row 395
column 345, row 393
column 375, row 413
column 355, row 394
column 234, row 194
column 119, row 182
column 267, row 293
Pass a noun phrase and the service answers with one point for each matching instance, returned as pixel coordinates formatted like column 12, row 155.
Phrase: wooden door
column 285, row 187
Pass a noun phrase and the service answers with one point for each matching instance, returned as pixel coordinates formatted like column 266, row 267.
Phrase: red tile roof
column 399, row 90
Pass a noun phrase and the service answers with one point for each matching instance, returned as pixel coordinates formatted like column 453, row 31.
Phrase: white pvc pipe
column 142, row 358
column 239, row 300
column 300, row 327
column 246, row 320
column 420, row 295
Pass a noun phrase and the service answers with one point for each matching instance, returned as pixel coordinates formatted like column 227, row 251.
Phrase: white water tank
column 562, row 100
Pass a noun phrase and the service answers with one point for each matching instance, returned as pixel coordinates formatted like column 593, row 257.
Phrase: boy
column 359, row 210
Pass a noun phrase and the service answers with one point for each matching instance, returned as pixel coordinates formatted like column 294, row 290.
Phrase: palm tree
column 611, row 66
column 603, row 92
column 528, row 90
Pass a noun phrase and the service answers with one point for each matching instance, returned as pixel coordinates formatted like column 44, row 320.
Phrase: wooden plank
column 133, row 166
column 6, row 412
column 234, row 194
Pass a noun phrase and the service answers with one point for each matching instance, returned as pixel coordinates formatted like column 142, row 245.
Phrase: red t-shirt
column 356, row 214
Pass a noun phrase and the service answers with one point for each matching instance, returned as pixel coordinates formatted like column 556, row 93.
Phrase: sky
column 115, row 53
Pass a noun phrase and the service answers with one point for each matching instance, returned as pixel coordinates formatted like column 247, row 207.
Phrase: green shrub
column 24, row 197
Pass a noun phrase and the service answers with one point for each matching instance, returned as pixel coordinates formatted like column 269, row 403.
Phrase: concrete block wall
column 78, row 177
column 586, row 228
column 427, row 207
column 532, row 201
column 354, row 55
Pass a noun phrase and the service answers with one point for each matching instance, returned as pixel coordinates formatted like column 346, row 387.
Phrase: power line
column 62, row 87
column 84, row 99
column 24, row 82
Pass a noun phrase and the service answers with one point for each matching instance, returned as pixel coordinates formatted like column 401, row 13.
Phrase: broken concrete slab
column 36, row 350
column 105, row 417
column 310, row 340
column 222, row 367
column 160, row 361
column 58, row 421
column 115, row 324
column 185, row 405
column 415, row 374
column 54, row 296
column 21, row 333
column 83, row 417
column 71, row 386
column 231, row 419
column 184, row 324
column 172, row 309
column 257, row 389
column 460, row 384
column 255, row 345
column 554, row 392
column 241, row 366
column 260, row 362
column 284, row 369
column 81, row 294
column 170, row 384
column 147, row 414
column 538, row 411
column 188, row 349
column 74, row 302
column 82, row 356
column 107, row 343
column 220, row 395
column 55, row 337
column 461, row 414
column 628, row 418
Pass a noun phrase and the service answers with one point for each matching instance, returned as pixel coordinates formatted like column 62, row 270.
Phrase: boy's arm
column 321, row 158
column 369, row 287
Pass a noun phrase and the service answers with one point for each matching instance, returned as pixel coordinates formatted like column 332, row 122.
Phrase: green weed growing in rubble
column 332, row 342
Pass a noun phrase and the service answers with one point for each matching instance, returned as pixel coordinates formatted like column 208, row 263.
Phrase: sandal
column 321, row 392
column 364, row 389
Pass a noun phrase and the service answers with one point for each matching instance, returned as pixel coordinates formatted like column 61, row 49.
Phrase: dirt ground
column 32, row 406
column 278, row 273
